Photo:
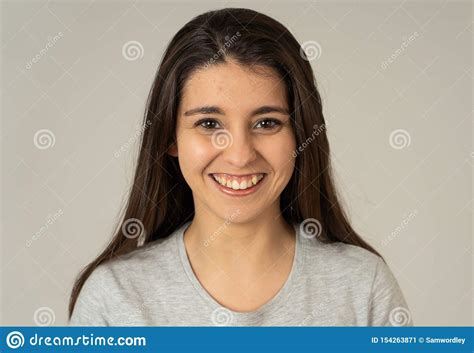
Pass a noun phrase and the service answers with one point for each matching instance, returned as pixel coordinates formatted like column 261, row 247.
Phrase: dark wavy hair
column 255, row 40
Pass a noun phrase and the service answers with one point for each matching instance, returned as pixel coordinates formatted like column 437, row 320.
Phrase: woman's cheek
column 196, row 152
column 278, row 150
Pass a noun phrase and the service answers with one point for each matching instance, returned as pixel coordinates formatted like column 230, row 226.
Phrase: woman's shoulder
column 339, row 255
column 362, row 272
column 344, row 264
column 114, row 282
column 139, row 263
column 158, row 254
column 358, row 265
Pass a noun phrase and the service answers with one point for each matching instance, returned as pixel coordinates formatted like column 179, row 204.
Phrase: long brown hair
column 160, row 198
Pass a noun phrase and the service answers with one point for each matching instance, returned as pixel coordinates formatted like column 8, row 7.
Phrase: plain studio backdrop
column 395, row 79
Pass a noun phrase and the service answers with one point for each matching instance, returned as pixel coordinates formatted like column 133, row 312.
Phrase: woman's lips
column 238, row 192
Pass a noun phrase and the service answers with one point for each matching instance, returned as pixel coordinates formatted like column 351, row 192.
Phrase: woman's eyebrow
column 205, row 110
column 216, row 110
column 270, row 109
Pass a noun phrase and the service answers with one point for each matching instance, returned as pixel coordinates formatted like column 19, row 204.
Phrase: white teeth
column 235, row 185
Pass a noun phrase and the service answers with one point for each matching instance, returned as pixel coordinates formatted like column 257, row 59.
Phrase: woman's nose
column 238, row 149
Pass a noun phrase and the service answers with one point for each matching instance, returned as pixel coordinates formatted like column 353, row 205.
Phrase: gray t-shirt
column 329, row 285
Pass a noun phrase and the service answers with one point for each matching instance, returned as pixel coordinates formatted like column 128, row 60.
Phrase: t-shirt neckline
column 279, row 299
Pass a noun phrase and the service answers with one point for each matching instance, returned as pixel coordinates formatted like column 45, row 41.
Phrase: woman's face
column 234, row 126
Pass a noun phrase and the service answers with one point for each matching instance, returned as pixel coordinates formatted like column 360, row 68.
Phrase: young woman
column 233, row 218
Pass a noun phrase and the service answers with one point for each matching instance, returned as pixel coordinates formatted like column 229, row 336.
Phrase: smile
column 238, row 184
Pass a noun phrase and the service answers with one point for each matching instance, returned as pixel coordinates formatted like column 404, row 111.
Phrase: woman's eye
column 268, row 124
column 265, row 124
column 207, row 124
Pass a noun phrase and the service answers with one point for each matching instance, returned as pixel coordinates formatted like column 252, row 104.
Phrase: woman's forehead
column 231, row 85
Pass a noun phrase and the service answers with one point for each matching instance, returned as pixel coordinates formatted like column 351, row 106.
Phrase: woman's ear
column 173, row 150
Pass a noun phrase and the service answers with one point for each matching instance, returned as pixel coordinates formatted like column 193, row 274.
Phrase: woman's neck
column 239, row 248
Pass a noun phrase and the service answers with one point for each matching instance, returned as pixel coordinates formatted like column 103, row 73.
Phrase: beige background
column 410, row 196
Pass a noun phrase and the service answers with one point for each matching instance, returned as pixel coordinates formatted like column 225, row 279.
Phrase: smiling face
column 235, row 141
